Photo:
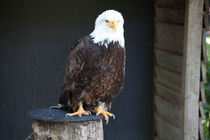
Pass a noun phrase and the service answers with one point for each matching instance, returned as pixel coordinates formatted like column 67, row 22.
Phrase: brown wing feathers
column 74, row 66
column 94, row 74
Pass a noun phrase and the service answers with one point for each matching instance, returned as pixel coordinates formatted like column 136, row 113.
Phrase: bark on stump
column 50, row 124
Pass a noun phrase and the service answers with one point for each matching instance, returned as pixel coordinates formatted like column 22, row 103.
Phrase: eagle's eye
column 106, row 21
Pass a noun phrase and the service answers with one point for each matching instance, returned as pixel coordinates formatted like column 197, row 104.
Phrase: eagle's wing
column 74, row 66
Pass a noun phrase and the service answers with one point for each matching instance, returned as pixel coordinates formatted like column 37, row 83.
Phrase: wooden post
column 50, row 124
column 191, row 68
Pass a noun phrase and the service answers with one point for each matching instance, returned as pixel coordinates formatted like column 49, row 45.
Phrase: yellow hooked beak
column 113, row 25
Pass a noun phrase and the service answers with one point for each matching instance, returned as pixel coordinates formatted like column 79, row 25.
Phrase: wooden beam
column 204, row 49
column 164, row 109
column 206, row 20
column 203, row 116
column 169, row 37
column 156, row 138
column 170, row 79
column 203, row 72
column 202, row 92
column 169, row 15
column 191, row 68
column 206, row 5
column 171, row 3
column 168, row 60
column 201, row 129
column 166, row 131
column 167, row 94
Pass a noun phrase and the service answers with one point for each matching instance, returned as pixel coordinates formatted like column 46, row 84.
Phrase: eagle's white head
column 109, row 27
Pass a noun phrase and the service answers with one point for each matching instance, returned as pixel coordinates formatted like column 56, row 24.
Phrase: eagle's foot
column 99, row 111
column 79, row 112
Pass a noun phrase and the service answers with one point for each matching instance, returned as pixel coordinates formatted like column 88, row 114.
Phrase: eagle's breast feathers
column 95, row 73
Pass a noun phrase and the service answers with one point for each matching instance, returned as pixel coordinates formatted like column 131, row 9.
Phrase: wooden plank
column 169, row 79
column 206, row 5
column 156, row 138
column 165, row 130
column 203, row 49
column 171, row 3
column 203, row 72
column 169, row 37
column 191, row 68
column 202, row 137
column 168, row 60
column 169, row 15
column 168, row 111
column 202, row 91
column 206, row 20
column 203, row 116
column 167, row 93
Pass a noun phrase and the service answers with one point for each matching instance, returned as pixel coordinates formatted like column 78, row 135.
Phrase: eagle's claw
column 107, row 121
column 106, row 114
column 67, row 114
column 79, row 112
column 89, row 112
column 113, row 116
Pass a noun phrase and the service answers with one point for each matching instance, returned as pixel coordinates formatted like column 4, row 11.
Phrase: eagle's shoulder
column 82, row 43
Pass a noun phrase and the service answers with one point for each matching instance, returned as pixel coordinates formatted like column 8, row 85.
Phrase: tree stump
column 52, row 124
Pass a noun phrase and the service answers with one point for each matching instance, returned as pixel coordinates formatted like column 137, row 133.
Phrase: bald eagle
column 96, row 68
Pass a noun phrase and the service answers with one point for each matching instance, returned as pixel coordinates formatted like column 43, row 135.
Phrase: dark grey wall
column 35, row 40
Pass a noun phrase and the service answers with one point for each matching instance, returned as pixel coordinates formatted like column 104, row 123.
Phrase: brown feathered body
column 94, row 73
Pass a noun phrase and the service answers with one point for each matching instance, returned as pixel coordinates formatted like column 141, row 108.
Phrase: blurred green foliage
column 206, row 122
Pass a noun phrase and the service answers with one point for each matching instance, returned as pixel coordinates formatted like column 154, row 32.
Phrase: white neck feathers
column 103, row 38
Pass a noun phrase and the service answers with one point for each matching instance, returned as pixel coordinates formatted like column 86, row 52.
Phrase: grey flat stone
column 56, row 115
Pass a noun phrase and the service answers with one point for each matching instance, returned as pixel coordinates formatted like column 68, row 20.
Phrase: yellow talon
column 99, row 110
column 79, row 112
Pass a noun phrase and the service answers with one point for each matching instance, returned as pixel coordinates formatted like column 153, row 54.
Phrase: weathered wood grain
column 203, row 72
column 206, row 21
column 203, row 116
column 204, row 49
column 168, row 111
column 165, row 130
column 91, row 130
column 202, row 92
column 169, row 37
column 169, row 15
column 168, row 78
column 157, row 138
column 191, row 68
column 168, row 60
column 171, row 3
column 206, row 5
column 167, row 94
column 201, row 129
